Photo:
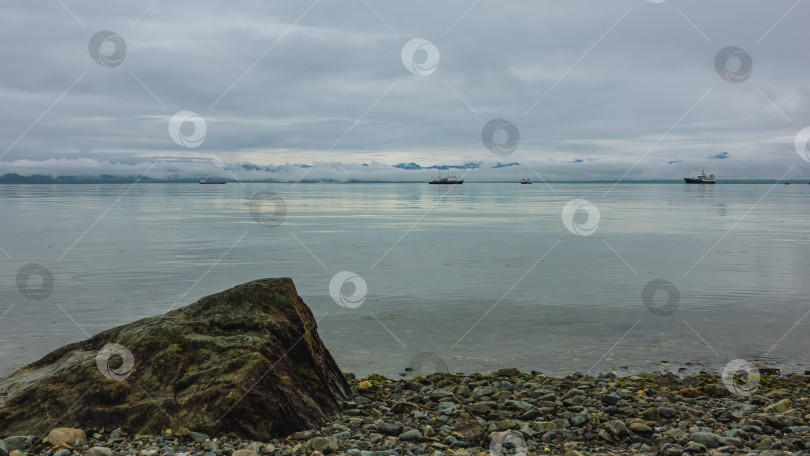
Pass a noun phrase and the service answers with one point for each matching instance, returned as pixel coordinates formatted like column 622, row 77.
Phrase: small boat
column 210, row 183
column 787, row 182
column 525, row 181
column 446, row 180
column 701, row 179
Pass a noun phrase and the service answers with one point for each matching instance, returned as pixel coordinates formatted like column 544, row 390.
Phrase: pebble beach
column 506, row 413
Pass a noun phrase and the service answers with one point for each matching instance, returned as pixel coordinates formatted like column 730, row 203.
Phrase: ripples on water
column 435, row 259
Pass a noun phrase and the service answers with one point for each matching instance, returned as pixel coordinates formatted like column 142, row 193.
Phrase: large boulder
column 246, row 361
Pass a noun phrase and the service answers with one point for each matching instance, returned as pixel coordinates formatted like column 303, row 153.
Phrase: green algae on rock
column 247, row 361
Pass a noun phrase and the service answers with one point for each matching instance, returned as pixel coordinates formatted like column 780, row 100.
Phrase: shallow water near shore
column 483, row 276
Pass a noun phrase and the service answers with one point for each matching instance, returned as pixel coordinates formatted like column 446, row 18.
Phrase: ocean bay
column 484, row 275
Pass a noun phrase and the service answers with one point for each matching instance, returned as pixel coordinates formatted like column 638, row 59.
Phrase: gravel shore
column 509, row 413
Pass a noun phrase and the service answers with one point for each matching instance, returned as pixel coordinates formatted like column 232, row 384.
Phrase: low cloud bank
column 173, row 169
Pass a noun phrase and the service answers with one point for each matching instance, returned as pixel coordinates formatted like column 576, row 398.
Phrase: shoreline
column 678, row 369
column 576, row 415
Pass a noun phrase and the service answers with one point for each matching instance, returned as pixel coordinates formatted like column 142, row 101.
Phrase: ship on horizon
column 701, row 179
column 446, row 180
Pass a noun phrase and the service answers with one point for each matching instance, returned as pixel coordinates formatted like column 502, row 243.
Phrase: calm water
column 492, row 261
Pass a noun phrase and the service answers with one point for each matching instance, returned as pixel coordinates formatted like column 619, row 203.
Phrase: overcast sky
column 622, row 89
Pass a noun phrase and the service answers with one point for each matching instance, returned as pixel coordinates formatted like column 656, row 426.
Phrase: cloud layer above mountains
column 589, row 90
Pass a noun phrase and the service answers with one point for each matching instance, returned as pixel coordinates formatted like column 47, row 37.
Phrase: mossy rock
column 247, row 361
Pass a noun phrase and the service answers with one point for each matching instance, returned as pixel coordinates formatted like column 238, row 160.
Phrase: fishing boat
column 701, row 179
column 525, row 181
column 205, row 182
column 446, row 180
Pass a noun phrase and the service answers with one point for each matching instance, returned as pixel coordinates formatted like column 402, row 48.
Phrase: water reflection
column 701, row 192
column 435, row 258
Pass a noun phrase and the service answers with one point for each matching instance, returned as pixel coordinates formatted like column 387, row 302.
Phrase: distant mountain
column 268, row 169
column 15, row 178
column 414, row 166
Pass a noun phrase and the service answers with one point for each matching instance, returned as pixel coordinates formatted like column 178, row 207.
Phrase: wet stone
column 393, row 429
column 640, row 428
column 651, row 414
column 695, row 447
column 447, row 408
column 325, row 445
column 610, row 399
column 779, row 407
column 412, row 435
column 617, row 428
column 580, row 419
column 19, row 442
column 705, row 438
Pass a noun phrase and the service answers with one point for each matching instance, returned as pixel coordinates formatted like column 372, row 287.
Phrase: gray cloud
column 616, row 85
